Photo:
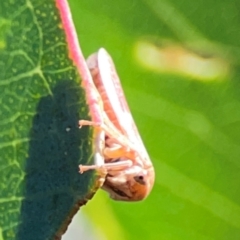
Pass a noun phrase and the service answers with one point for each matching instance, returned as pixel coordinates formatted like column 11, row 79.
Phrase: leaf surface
column 41, row 145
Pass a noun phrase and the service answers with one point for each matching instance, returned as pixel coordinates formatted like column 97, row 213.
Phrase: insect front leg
column 113, row 166
column 113, row 152
column 119, row 146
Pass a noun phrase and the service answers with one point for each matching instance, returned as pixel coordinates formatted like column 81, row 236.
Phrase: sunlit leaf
column 41, row 144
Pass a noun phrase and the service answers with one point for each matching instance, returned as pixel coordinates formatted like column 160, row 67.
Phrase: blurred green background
column 178, row 62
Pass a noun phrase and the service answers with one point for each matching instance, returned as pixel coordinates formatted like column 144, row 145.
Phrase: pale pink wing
column 120, row 113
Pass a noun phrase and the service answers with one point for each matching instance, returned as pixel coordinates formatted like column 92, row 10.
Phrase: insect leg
column 113, row 166
column 126, row 148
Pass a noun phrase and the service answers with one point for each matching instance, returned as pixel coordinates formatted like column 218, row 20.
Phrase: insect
column 130, row 173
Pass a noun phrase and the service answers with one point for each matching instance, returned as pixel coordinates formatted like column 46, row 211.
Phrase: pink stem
column 76, row 55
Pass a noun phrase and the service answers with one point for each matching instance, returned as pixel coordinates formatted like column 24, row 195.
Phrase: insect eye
column 140, row 179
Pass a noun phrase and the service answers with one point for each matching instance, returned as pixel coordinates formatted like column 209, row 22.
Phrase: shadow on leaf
column 54, row 189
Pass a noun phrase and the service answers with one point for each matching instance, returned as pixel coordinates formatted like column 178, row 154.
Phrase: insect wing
column 118, row 107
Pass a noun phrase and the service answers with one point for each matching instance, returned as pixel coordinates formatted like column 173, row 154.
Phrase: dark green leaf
column 41, row 145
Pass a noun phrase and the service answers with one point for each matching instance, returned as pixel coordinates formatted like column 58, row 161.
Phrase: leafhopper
column 129, row 171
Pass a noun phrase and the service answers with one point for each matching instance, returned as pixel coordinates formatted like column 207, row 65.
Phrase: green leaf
column 189, row 120
column 41, row 145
